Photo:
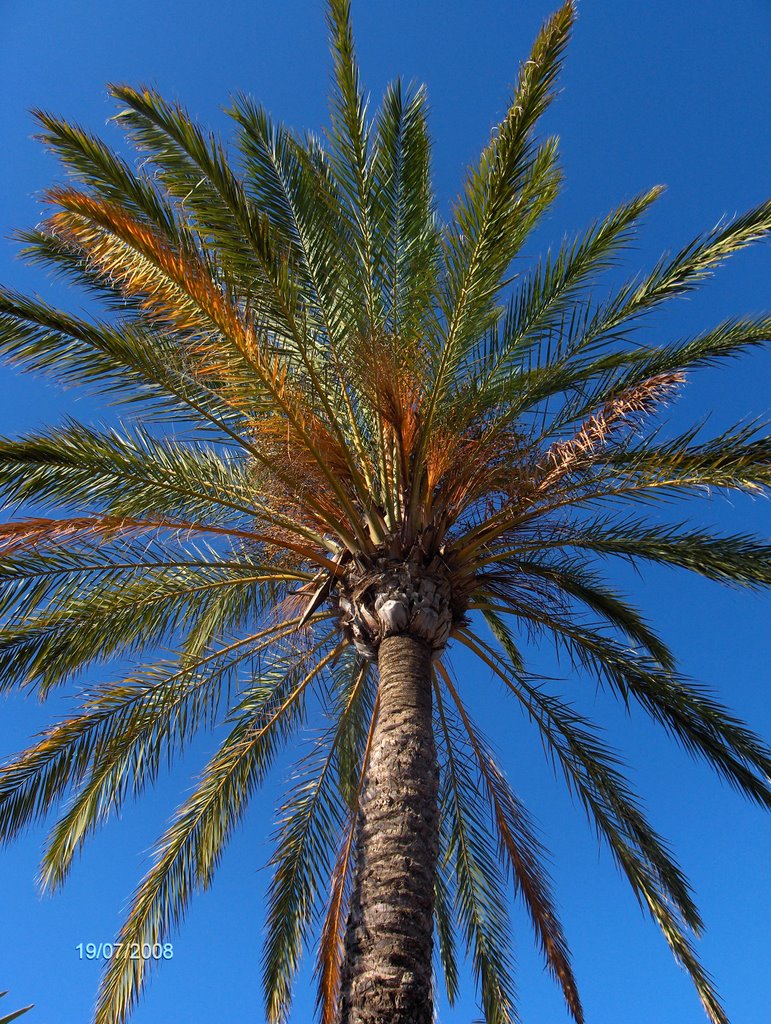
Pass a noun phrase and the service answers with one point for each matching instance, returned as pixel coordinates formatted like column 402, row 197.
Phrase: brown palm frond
column 597, row 431
column 481, row 464
column 178, row 290
column 331, row 942
column 396, row 394
column 527, row 491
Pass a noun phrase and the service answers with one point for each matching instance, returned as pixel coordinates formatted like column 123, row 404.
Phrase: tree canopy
column 323, row 381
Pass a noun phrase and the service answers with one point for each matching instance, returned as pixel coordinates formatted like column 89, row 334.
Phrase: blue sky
column 653, row 93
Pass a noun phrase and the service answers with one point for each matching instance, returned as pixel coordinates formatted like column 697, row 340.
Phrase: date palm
column 357, row 444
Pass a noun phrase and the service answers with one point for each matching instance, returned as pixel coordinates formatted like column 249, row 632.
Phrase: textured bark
column 388, row 598
column 388, row 946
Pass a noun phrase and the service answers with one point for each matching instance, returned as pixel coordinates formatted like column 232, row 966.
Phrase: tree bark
column 387, row 972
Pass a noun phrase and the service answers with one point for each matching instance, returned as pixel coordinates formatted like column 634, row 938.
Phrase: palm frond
column 465, row 840
column 300, row 206
column 738, row 460
column 512, row 184
column 282, row 186
column 127, row 359
column 331, row 950
column 592, row 772
column 524, row 854
column 129, row 728
column 312, row 819
column 571, row 579
column 195, row 169
column 543, row 299
column 407, row 235
column 121, row 472
column 190, row 850
column 671, row 277
column 739, row 559
column 145, row 606
column 598, row 380
column 445, row 900
column 350, row 161
column 8, row 1017
column 687, row 711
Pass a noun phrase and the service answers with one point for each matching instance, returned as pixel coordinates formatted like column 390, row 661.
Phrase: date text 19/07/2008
column 137, row 950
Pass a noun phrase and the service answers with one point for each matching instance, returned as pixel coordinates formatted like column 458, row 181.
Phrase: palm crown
column 367, row 429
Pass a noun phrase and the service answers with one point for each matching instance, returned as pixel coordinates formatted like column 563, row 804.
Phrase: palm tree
column 370, row 446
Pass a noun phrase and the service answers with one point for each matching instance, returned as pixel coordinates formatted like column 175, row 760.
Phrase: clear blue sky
column 653, row 92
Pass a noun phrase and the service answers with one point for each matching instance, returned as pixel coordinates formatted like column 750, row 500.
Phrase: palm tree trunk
column 388, row 945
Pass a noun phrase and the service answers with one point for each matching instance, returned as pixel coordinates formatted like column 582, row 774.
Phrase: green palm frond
column 190, row 850
column 128, row 729
column 298, row 201
column 89, row 160
column 467, row 842
column 329, row 962
column 350, row 162
column 737, row 460
column 44, row 576
column 145, row 608
column 674, row 276
column 312, row 818
column 446, row 898
column 688, row 712
column 194, row 168
column 130, row 473
column 407, row 236
column 126, row 359
column 740, row 559
column 542, row 301
column 524, row 855
column 589, row 332
column 298, row 198
column 570, row 579
column 505, row 195
column 610, row 375
column 592, row 773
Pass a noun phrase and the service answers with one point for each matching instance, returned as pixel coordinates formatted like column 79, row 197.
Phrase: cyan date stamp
column 134, row 950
